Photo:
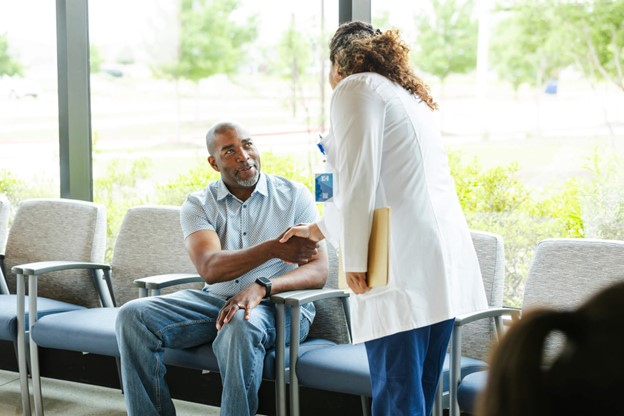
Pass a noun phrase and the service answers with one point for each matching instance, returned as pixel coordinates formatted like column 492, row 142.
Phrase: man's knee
column 236, row 332
column 129, row 314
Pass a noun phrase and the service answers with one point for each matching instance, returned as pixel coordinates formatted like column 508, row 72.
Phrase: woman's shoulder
column 364, row 79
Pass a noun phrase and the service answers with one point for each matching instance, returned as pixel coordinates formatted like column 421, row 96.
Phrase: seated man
column 232, row 230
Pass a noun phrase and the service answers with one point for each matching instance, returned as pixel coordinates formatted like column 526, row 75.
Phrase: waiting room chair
column 46, row 230
column 329, row 327
column 344, row 368
column 149, row 243
column 564, row 273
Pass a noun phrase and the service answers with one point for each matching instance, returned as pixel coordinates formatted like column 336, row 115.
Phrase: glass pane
column 29, row 161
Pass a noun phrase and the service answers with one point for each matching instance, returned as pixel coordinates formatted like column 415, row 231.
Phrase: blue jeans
column 405, row 369
column 186, row 319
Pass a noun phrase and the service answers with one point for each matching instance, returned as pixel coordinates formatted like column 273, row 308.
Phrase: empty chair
column 149, row 243
column 344, row 368
column 473, row 334
column 45, row 230
column 564, row 273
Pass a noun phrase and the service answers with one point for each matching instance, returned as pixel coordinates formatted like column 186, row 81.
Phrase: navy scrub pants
column 405, row 369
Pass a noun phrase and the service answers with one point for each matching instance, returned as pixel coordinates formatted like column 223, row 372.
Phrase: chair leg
column 454, row 370
column 366, row 405
column 295, row 314
column 21, row 344
column 280, row 359
column 34, row 351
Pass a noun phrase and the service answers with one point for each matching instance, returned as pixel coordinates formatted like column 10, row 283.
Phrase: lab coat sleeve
column 357, row 120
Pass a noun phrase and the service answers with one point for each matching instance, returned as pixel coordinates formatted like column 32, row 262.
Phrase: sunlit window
column 29, row 161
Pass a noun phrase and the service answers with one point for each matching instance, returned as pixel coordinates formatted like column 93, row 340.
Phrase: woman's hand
column 357, row 282
column 309, row 231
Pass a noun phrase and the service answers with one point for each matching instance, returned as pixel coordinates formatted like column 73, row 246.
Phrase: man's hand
column 309, row 231
column 296, row 250
column 245, row 300
column 357, row 282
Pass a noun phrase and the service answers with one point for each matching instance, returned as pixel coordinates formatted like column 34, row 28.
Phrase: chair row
column 59, row 246
column 75, row 298
column 564, row 273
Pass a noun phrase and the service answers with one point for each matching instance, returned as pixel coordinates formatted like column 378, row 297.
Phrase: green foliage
column 294, row 52
column 535, row 39
column 95, row 59
column 11, row 186
column 594, row 31
column 8, row 65
column 494, row 200
column 119, row 189
column 175, row 191
column 16, row 190
column 602, row 199
column 211, row 41
column 447, row 43
column 526, row 46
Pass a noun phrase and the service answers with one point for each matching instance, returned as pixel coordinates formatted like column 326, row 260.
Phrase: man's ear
column 212, row 162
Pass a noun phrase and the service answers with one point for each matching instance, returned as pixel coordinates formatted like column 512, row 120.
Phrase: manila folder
column 378, row 252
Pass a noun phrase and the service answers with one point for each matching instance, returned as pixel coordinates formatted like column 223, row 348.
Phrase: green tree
column 447, row 40
column 595, row 37
column 211, row 41
column 526, row 46
column 8, row 65
column 295, row 57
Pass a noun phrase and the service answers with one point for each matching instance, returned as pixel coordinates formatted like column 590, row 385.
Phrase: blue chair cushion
column 203, row 357
column 344, row 368
column 341, row 368
column 8, row 313
column 467, row 366
column 87, row 330
column 469, row 389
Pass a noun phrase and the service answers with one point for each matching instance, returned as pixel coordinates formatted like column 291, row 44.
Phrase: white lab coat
column 385, row 149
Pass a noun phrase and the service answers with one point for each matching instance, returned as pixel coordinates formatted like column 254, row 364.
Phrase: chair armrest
column 301, row 297
column 160, row 281
column 488, row 313
column 42, row 267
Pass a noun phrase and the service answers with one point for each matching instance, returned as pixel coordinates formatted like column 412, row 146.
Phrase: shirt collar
column 261, row 187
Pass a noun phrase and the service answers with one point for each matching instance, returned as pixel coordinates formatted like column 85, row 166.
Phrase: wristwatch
column 263, row 281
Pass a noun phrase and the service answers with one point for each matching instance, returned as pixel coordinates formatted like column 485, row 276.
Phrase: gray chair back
column 5, row 210
column 330, row 321
column 567, row 272
column 477, row 337
column 149, row 243
column 58, row 229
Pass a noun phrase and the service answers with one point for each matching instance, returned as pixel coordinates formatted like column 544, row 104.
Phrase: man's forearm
column 311, row 275
column 226, row 265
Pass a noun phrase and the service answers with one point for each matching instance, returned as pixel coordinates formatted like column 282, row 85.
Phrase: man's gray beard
column 248, row 182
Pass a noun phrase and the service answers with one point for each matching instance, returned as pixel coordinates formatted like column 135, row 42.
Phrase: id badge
column 324, row 186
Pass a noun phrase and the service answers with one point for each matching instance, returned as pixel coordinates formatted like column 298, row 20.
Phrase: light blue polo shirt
column 275, row 205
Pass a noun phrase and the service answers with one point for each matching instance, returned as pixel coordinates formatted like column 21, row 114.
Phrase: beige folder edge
column 378, row 252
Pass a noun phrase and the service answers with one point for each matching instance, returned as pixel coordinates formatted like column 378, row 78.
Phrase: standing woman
column 386, row 150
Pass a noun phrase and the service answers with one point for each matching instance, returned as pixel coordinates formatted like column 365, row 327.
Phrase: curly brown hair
column 357, row 47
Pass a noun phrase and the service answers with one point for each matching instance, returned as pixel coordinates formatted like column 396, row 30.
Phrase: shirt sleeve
column 357, row 120
column 193, row 217
column 306, row 206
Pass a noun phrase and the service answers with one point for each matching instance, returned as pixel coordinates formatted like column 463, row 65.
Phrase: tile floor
column 63, row 398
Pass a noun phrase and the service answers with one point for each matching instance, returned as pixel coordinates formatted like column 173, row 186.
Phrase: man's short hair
column 218, row 128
